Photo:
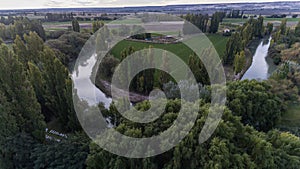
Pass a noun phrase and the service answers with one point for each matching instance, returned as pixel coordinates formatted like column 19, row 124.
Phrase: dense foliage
column 233, row 145
column 36, row 91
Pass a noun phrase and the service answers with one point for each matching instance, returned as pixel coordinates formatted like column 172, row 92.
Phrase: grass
column 234, row 20
column 178, row 49
column 64, row 23
column 127, row 21
column 280, row 19
column 54, row 26
column 219, row 43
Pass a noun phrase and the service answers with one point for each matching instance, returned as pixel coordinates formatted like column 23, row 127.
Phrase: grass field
column 127, row 21
column 219, row 42
column 178, row 49
column 51, row 26
column 64, row 23
column 280, row 19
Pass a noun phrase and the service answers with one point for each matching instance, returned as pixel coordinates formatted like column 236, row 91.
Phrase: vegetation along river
column 260, row 69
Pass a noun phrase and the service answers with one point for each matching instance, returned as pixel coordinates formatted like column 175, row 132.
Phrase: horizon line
column 137, row 6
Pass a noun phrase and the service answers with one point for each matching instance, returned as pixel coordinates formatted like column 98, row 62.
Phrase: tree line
column 204, row 22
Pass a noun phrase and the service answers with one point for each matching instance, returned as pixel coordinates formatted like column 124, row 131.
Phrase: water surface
column 262, row 66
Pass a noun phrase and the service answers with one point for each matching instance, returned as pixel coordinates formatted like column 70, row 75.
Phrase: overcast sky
column 20, row 4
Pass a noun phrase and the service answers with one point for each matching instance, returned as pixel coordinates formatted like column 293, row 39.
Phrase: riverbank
column 262, row 65
column 249, row 53
column 105, row 87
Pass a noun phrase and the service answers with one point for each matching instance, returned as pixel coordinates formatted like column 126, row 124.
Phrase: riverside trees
column 253, row 28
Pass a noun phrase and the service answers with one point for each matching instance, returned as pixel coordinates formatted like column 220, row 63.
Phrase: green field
column 54, row 26
column 240, row 20
column 126, row 21
column 280, row 19
column 178, row 49
column 219, row 42
column 65, row 23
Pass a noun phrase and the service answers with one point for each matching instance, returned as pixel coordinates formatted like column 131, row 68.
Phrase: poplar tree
column 75, row 25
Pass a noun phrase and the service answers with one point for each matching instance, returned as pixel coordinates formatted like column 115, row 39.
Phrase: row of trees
column 21, row 26
column 204, row 23
column 147, row 80
column 235, row 14
column 236, row 44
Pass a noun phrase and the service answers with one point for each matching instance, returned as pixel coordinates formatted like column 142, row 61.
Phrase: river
column 260, row 69
column 86, row 90
column 262, row 66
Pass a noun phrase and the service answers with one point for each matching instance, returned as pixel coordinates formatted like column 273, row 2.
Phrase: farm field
column 50, row 26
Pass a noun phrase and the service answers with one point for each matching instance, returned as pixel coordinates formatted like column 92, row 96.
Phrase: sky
column 28, row 4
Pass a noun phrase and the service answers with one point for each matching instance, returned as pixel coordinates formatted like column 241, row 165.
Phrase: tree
column 20, row 49
column 233, row 46
column 217, row 17
column 96, row 25
column 259, row 27
column 19, row 91
column 214, row 24
column 17, row 151
column 36, row 26
column 58, row 90
column 239, row 62
column 247, row 34
column 69, row 153
column 75, row 25
column 8, row 127
column 68, row 46
column 23, row 26
column 255, row 103
column 34, row 47
column 199, row 20
column 107, row 67
column 50, row 79
column 297, row 30
column 233, row 144
column 282, row 27
column 269, row 28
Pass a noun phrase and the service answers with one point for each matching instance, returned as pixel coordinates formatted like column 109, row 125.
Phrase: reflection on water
column 88, row 91
column 262, row 66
